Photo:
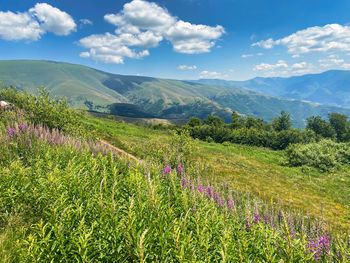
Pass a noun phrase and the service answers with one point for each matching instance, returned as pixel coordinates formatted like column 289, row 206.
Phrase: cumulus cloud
column 331, row 61
column 267, row 67
column 142, row 24
column 185, row 67
column 193, row 39
column 85, row 21
column 54, row 20
column 110, row 48
column 35, row 22
column 326, row 38
column 19, row 26
column 300, row 65
column 282, row 69
column 211, row 75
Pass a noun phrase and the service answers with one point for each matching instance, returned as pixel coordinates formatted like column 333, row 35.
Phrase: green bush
column 43, row 109
column 324, row 155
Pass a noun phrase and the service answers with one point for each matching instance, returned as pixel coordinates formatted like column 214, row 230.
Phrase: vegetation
column 138, row 96
column 68, row 198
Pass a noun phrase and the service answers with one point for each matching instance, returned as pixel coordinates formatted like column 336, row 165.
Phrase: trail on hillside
column 121, row 151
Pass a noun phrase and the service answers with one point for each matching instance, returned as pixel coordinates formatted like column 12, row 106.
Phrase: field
column 67, row 197
column 253, row 170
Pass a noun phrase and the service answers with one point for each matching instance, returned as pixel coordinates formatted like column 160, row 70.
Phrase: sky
column 182, row 39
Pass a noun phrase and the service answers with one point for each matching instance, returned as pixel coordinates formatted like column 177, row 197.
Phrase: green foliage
column 214, row 121
column 51, row 112
column 340, row 125
column 176, row 152
column 64, row 202
column 324, row 155
column 320, row 127
column 282, row 123
column 193, row 121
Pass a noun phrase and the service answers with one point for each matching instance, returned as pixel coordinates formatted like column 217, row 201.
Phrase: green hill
column 135, row 96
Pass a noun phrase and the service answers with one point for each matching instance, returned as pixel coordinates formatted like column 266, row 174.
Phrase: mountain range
column 330, row 88
column 147, row 97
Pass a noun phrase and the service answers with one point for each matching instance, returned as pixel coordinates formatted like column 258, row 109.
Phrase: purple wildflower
column 194, row 208
column 200, row 188
column 180, row 169
column 209, row 192
column 257, row 217
column 167, row 170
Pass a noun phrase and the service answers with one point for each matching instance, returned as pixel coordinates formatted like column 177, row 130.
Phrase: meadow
column 65, row 197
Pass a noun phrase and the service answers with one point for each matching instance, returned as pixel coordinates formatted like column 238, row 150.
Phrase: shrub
column 324, row 155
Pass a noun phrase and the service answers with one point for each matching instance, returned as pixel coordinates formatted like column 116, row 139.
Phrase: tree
column 282, row 123
column 340, row 125
column 214, row 121
column 320, row 127
column 89, row 104
column 193, row 122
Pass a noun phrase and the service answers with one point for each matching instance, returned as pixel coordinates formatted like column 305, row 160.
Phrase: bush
column 42, row 109
column 324, row 155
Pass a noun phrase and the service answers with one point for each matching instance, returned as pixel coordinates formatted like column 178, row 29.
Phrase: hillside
column 69, row 196
column 146, row 97
column 329, row 88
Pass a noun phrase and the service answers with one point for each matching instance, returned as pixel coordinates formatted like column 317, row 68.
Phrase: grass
column 65, row 197
column 253, row 170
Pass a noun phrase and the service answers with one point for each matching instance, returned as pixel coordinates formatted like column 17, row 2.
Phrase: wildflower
column 194, row 208
column 167, row 170
column 183, row 182
column 180, row 169
column 209, row 192
column 247, row 225
column 266, row 219
column 257, row 218
column 29, row 143
column 200, row 188
column 31, row 115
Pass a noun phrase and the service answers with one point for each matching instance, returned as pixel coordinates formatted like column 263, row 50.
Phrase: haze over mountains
column 330, row 87
column 145, row 97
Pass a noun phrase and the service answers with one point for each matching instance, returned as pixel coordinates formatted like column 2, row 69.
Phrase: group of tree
column 277, row 134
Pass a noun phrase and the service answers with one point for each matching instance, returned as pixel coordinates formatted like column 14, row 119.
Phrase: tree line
column 277, row 134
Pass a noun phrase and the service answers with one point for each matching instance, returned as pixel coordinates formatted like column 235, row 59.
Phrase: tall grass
column 68, row 199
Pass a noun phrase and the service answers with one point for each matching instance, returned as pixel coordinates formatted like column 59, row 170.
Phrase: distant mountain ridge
column 330, row 87
column 147, row 97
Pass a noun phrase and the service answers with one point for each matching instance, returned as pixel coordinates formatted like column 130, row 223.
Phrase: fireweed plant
column 69, row 199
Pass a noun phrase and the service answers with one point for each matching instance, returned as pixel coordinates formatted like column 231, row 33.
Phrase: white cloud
column 35, row 22
column 185, row 67
column 19, row 26
column 110, row 48
column 331, row 61
column 300, row 65
column 247, row 55
column 211, row 75
column 267, row 44
column 143, row 24
column 193, row 39
column 326, row 38
column 267, row 67
column 282, row 69
column 86, row 21
column 54, row 20
column 346, row 66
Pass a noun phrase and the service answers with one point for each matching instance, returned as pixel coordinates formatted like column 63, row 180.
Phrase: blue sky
column 182, row 39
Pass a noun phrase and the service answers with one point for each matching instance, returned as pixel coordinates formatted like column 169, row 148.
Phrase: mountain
column 146, row 97
column 329, row 88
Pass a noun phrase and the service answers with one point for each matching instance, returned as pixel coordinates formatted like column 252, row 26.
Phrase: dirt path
column 121, row 151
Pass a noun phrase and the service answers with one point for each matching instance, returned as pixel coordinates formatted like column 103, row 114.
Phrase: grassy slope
column 161, row 97
column 75, row 82
column 254, row 170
